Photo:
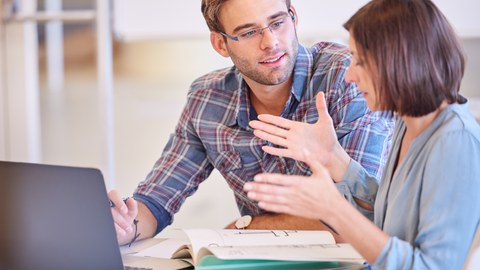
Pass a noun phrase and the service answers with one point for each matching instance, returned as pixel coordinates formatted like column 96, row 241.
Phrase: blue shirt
column 213, row 132
column 430, row 206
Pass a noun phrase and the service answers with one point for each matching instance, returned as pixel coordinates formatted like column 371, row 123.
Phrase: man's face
column 267, row 58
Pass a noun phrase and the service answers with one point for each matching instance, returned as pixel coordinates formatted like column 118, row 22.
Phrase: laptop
column 55, row 217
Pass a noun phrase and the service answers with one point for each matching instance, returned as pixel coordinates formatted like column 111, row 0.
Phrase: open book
column 266, row 249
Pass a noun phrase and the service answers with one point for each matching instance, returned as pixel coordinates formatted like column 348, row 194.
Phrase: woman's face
column 361, row 75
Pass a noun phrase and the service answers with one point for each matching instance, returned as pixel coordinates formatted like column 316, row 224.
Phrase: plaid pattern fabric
column 213, row 131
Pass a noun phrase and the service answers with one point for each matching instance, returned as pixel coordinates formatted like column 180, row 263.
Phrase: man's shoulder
column 214, row 91
column 330, row 48
column 224, row 80
column 330, row 53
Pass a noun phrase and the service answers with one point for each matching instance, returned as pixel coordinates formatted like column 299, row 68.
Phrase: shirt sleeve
column 359, row 184
column 449, row 208
column 177, row 174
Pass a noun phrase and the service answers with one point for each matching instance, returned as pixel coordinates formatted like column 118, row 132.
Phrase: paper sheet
column 164, row 249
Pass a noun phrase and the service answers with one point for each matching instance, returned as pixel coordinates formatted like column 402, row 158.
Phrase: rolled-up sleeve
column 357, row 183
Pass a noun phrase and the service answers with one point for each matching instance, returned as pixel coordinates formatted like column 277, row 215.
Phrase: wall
column 150, row 19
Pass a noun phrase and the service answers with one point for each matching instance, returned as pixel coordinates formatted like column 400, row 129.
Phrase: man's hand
column 124, row 213
column 286, row 222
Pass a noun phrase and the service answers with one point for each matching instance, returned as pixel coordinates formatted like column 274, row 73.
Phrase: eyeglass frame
column 259, row 29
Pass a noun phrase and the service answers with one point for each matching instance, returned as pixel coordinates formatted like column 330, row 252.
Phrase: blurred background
column 158, row 48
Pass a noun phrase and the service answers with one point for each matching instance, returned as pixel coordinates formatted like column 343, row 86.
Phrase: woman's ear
column 218, row 44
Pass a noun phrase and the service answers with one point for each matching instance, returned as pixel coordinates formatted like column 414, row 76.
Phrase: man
column 272, row 74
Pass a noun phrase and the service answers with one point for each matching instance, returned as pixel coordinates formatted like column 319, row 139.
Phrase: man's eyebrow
column 252, row 25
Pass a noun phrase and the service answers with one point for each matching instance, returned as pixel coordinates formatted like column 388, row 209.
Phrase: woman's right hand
column 299, row 139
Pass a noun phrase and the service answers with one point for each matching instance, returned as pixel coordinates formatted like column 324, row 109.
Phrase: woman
column 406, row 60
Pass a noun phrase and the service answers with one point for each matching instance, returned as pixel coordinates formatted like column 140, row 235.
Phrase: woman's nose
column 350, row 76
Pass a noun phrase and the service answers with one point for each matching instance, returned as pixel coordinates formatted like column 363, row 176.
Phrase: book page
column 165, row 249
column 237, row 238
column 312, row 252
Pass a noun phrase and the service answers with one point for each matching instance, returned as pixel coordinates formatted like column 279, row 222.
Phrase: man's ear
column 218, row 44
column 293, row 13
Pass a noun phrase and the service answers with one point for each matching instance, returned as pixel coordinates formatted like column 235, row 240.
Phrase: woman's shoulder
column 458, row 119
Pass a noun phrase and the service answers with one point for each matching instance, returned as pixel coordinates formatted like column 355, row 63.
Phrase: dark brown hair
column 211, row 13
column 413, row 51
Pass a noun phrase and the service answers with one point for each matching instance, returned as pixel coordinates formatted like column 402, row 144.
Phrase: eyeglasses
column 254, row 33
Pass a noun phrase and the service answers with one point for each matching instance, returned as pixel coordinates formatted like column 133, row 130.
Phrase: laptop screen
column 55, row 217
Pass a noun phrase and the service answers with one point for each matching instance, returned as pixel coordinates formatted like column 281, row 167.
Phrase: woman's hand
column 297, row 139
column 313, row 197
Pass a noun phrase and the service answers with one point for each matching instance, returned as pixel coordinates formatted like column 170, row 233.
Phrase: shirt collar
column 302, row 71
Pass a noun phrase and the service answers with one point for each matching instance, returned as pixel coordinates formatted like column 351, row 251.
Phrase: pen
column 112, row 204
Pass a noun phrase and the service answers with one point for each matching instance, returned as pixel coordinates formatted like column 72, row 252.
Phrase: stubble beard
column 273, row 77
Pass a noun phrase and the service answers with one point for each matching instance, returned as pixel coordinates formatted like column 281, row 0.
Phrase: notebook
column 55, row 217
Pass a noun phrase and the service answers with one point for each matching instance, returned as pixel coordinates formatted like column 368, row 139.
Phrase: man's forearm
column 286, row 222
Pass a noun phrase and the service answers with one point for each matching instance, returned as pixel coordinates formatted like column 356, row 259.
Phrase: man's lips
column 273, row 59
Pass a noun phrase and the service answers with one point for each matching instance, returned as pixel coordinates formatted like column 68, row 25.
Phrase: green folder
column 213, row 263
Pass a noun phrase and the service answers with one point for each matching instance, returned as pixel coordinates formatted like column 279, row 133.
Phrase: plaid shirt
column 213, row 133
